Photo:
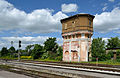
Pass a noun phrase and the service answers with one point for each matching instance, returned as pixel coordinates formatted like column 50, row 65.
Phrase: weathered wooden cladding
column 77, row 28
column 75, row 23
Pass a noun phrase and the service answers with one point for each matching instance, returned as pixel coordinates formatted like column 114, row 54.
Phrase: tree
column 109, row 55
column 98, row 49
column 59, row 53
column 11, row 50
column 28, row 49
column 113, row 42
column 37, row 51
column 4, row 51
column 51, row 45
column 118, row 54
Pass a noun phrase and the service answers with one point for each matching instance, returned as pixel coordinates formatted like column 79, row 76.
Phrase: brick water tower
column 76, row 32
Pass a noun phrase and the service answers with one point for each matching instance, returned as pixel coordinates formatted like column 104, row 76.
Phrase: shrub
column 26, row 57
column 59, row 58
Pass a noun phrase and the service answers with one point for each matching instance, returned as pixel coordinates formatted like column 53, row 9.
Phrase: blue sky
column 33, row 21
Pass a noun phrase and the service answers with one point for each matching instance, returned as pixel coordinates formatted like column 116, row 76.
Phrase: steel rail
column 96, row 70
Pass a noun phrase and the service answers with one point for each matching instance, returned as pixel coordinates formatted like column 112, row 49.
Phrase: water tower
column 76, row 32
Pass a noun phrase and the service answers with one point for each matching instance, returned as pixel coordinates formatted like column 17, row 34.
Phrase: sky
column 34, row 21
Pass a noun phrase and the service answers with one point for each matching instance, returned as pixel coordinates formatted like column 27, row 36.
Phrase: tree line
column 99, row 46
column 51, row 50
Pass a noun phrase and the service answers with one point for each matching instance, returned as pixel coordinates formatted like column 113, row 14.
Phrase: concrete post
column 19, row 54
column 114, row 55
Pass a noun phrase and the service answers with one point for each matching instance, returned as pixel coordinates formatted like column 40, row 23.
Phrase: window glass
column 82, row 35
column 73, row 23
column 88, row 36
column 65, row 26
column 90, row 22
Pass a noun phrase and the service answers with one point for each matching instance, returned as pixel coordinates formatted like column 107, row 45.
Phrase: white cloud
column 40, row 20
column 107, row 21
column 43, row 20
column 25, row 41
column 106, row 40
column 117, row 31
column 111, row 0
column 104, row 8
column 69, row 8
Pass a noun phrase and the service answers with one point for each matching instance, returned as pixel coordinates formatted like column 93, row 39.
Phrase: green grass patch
column 47, row 60
column 8, row 58
column 108, row 62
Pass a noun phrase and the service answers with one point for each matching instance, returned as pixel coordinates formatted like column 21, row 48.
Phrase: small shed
column 114, row 50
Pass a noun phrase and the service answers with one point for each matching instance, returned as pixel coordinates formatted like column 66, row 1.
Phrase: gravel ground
column 7, row 74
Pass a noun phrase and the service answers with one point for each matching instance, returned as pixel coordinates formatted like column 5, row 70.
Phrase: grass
column 47, row 60
column 8, row 58
column 108, row 62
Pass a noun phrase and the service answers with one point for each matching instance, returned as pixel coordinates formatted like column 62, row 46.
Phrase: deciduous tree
column 37, row 51
column 11, row 50
column 113, row 42
column 4, row 51
column 51, row 45
column 98, row 49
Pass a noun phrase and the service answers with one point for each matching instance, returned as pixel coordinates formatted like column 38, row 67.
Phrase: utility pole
column 11, row 50
column 19, row 50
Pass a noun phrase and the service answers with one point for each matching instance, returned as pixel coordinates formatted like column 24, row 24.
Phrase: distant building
column 76, row 32
column 114, row 51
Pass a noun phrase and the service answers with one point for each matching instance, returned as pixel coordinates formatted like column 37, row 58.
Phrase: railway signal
column 19, row 43
column 19, row 50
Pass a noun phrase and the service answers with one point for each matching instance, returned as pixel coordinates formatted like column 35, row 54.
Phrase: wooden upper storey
column 77, row 22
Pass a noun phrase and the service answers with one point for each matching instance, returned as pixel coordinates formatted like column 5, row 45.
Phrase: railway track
column 30, row 73
column 101, row 70
column 72, row 63
column 110, row 69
